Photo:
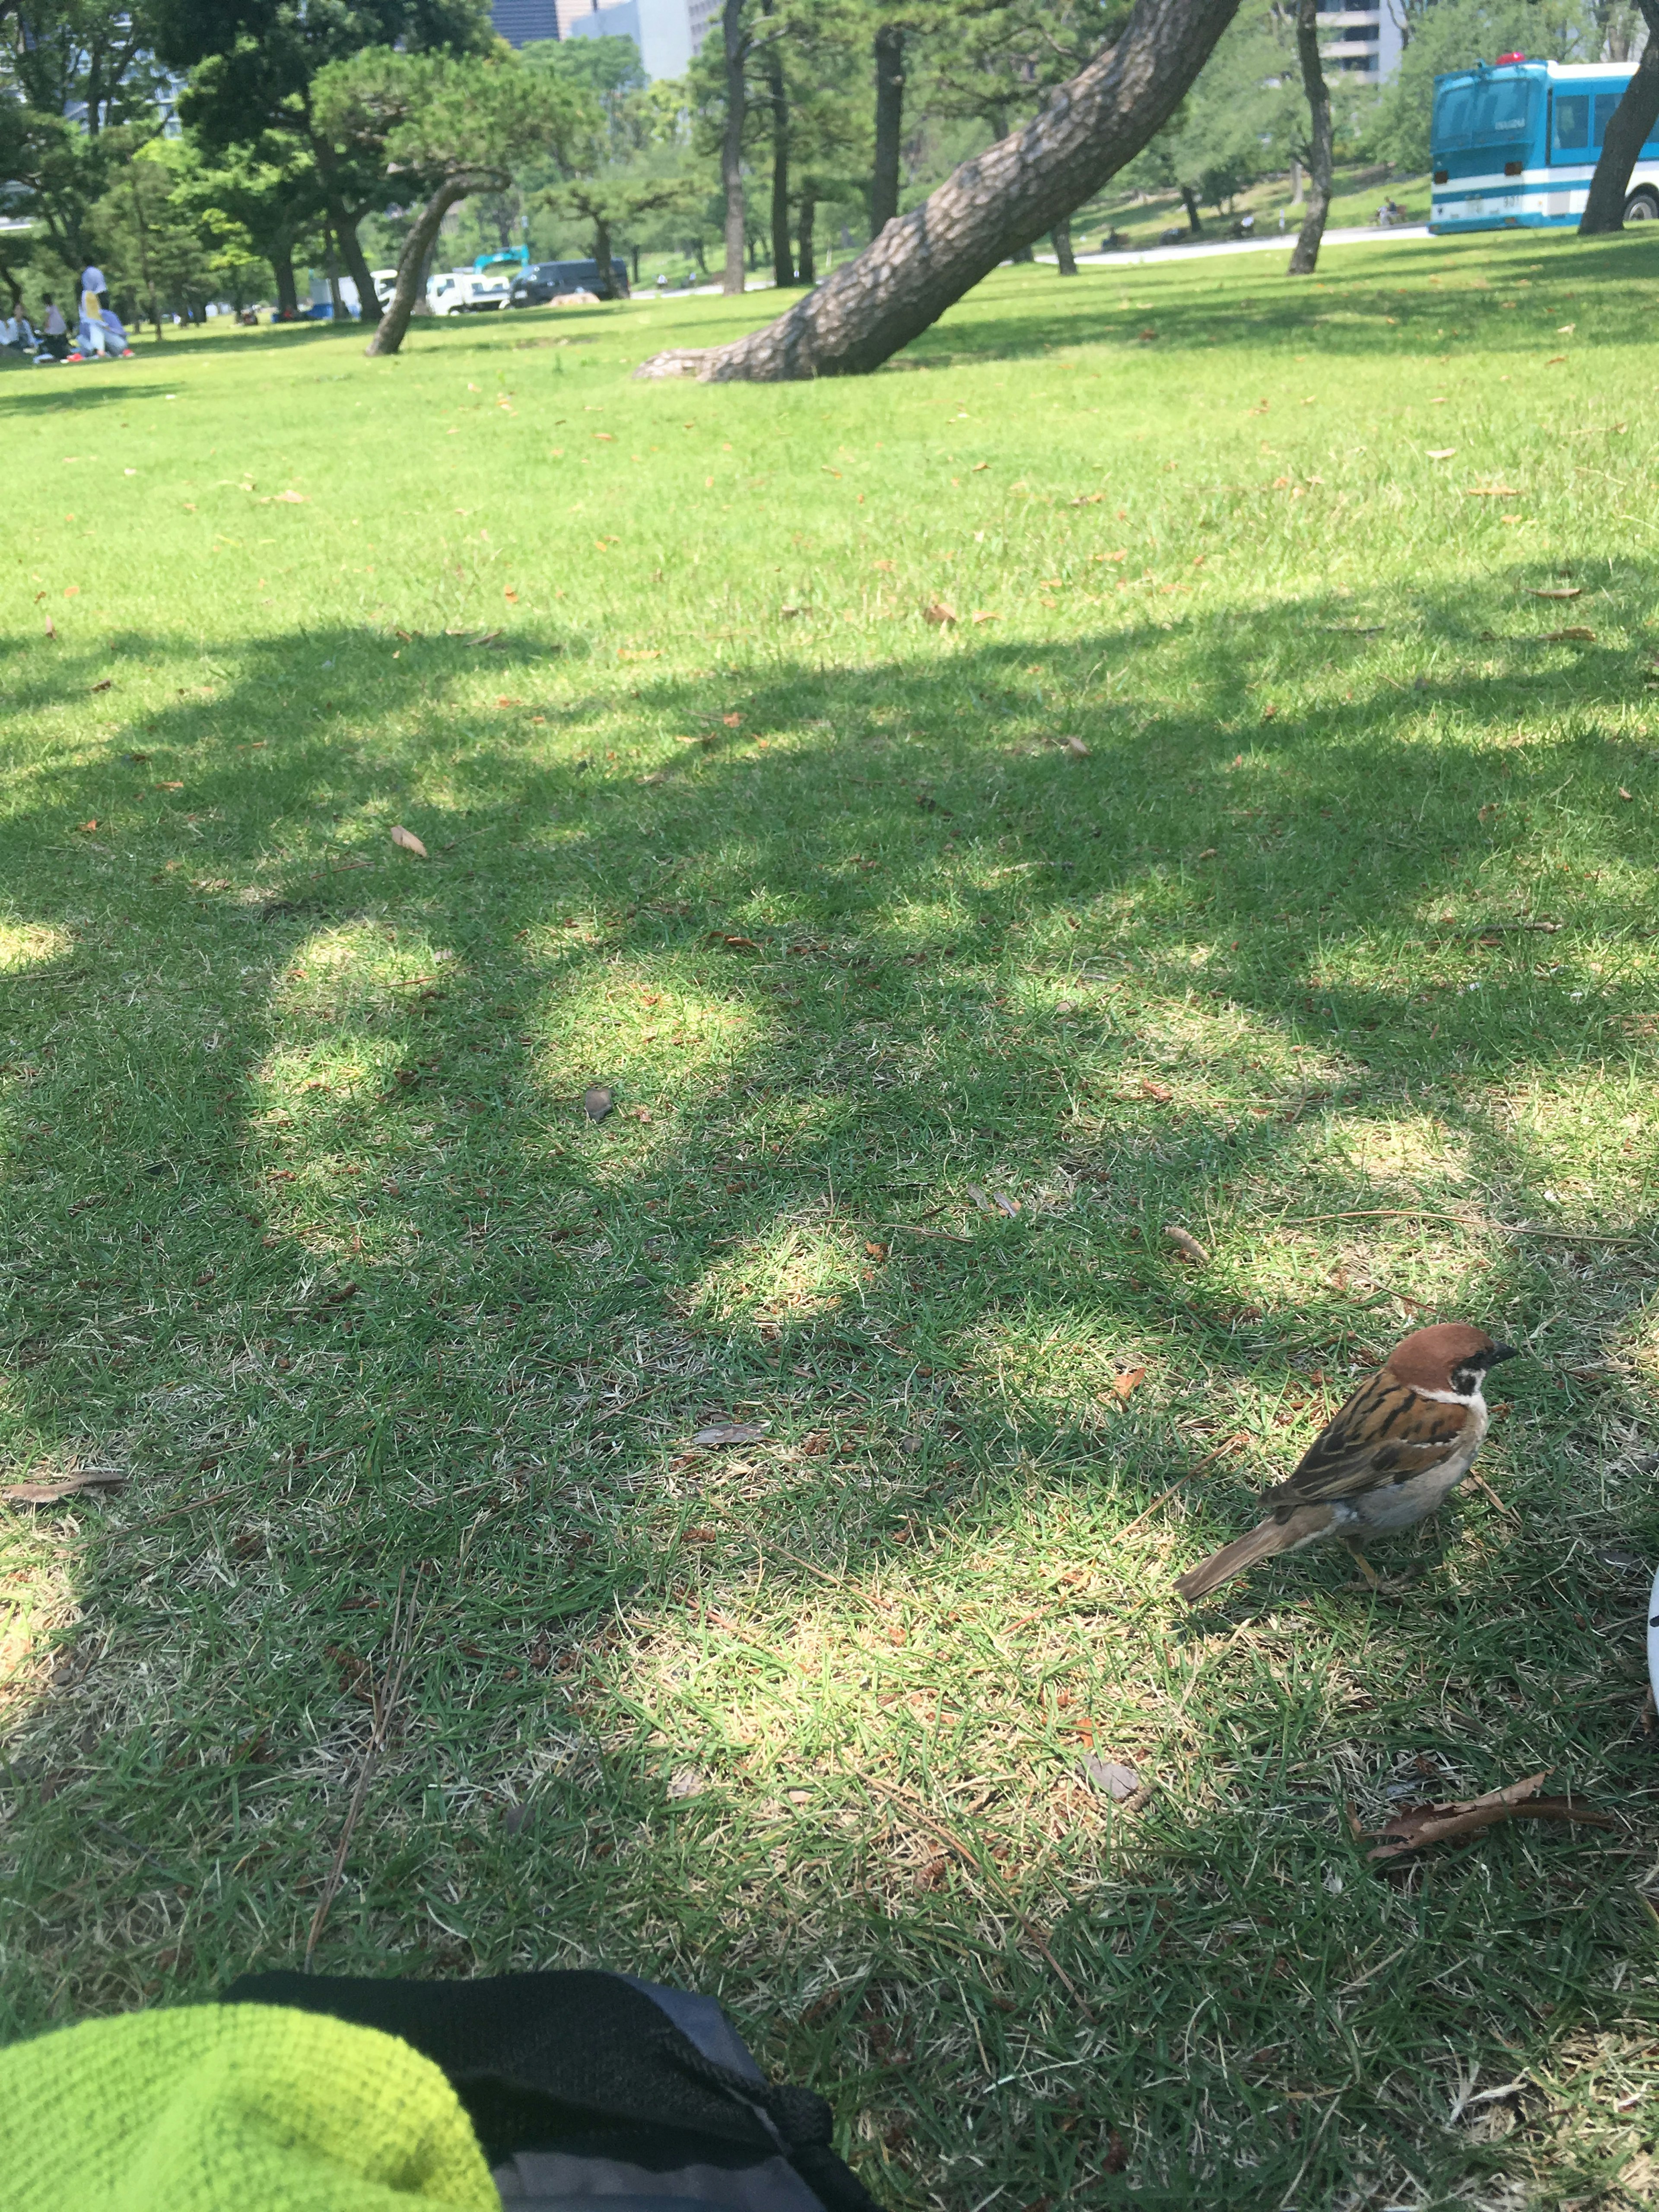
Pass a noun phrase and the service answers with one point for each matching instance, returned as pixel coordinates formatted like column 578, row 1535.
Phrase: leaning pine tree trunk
column 923, row 262
column 736, row 58
column 1630, row 128
column 1305, row 259
column 411, row 262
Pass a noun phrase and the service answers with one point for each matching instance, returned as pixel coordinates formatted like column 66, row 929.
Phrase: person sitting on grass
column 54, row 333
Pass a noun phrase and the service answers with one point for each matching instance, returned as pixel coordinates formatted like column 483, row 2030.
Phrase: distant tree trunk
column 924, row 261
column 889, row 125
column 143, row 256
column 1189, row 201
column 1630, row 128
column 411, row 262
column 1305, row 258
column 351, row 252
column 783, row 265
column 737, row 57
column 1061, row 238
column 332, row 270
column 1296, row 182
column 809, row 209
column 606, row 285
column 281, row 268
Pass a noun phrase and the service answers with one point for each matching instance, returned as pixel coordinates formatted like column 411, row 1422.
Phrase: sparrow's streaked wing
column 1386, row 1432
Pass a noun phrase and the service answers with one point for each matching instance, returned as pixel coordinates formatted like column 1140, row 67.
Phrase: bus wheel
column 1642, row 206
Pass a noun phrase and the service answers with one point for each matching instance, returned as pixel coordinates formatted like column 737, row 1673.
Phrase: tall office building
column 519, row 21
column 666, row 32
column 1364, row 40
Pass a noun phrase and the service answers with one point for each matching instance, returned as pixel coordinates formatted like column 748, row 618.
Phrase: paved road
column 1370, row 235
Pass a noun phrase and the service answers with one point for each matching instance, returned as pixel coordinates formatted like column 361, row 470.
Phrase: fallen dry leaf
column 1441, row 452
column 107, row 684
column 1576, row 635
column 1130, row 1381
column 984, row 614
column 1492, row 491
column 81, row 827
column 1110, row 1777
column 732, row 1433
column 1414, row 1827
column 1076, row 747
column 1625, row 794
column 408, row 840
column 597, row 1102
column 53, row 1493
column 1187, row 1244
column 1558, row 591
column 51, row 627
column 1160, row 1091
column 939, row 612
column 977, row 466
column 291, row 498
column 686, row 1781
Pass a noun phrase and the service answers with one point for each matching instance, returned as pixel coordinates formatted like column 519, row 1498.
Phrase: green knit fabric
column 232, row 2108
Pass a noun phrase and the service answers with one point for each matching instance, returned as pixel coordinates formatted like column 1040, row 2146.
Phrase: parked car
column 546, row 280
column 465, row 292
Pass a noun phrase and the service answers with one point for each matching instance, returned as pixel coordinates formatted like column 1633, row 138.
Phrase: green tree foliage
column 627, row 160
column 254, row 67
column 79, row 85
column 438, row 127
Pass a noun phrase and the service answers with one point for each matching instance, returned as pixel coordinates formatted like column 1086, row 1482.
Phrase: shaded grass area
column 1331, row 947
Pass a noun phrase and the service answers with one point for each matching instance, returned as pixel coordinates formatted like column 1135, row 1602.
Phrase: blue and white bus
column 1515, row 145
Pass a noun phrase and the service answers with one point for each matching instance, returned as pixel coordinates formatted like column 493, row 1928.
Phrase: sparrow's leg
column 1363, row 1563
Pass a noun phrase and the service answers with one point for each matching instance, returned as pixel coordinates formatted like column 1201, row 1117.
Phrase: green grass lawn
column 1330, row 940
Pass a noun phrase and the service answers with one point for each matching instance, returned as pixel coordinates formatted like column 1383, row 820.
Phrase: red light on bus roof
column 1502, row 58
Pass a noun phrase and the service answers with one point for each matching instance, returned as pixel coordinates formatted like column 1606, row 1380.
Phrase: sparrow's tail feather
column 1243, row 1552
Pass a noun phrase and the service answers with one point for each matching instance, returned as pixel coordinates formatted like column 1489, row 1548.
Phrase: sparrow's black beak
column 1499, row 1353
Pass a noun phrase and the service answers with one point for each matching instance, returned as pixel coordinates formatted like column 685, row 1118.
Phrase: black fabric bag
column 596, row 2092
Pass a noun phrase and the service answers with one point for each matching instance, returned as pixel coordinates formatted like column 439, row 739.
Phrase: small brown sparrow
column 1402, row 1442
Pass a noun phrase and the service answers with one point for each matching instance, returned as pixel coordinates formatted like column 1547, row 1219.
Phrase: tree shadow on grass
column 310, row 1230
column 1248, row 301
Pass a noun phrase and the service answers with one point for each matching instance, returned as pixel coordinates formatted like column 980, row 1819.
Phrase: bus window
column 1504, row 110
column 1451, row 115
column 1605, row 102
column 1572, row 121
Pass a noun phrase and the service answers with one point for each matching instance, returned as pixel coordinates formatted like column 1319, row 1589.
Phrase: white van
column 465, row 292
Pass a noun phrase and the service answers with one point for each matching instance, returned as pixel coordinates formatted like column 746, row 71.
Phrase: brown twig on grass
column 384, row 1707
column 1164, row 1497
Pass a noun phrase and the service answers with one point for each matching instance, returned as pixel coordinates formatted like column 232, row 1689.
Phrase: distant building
column 667, row 33
column 1362, row 40
column 519, row 21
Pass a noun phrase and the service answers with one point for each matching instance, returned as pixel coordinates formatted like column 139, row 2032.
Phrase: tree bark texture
column 605, row 282
column 924, row 262
column 1061, row 238
column 809, row 210
column 1631, row 126
column 737, row 59
column 783, row 264
column 890, row 127
column 1304, row 259
column 351, row 252
column 281, row 268
column 411, row 263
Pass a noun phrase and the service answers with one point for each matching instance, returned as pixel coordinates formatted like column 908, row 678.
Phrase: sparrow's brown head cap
column 1428, row 1358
